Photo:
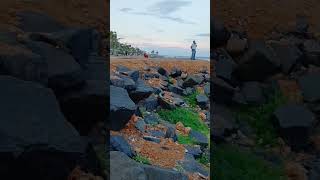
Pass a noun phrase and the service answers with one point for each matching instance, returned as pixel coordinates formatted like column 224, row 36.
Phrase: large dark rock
column 64, row 73
column 224, row 69
column 118, row 143
column 311, row 49
column 199, row 138
column 123, row 82
column 134, row 75
column 190, row 165
column 38, row 22
column 121, row 107
column 157, row 173
column 236, row 45
column 171, row 132
column 288, row 55
column 222, row 127
column 82, row 43
column 223, row 124
column 224, row 65
column 142, row 91
column 122, row 69
column 222, row 91
column 162, row 71
column 152, row 119
column 175, row 72
column 310, row 86
column 141, row 125
column 165, row 104
column 46, row 165
column 122, row 167
column 88, row 105
column 194, row 150
column 257, row 64
column 151, row 103
column 295, row 122
column 314, row 172
column 175, row 89
column 253, row 92
column 43, row 136
column 219, row 33
column 192, row 80
column 38, row 115
column 24, row 64
column 202, row 100
column 95, row 68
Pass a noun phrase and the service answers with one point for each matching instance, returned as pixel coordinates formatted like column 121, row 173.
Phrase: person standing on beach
column 193, row 50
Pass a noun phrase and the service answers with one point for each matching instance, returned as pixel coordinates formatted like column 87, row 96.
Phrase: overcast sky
column 167, row 26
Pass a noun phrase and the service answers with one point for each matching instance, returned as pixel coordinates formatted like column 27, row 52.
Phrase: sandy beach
column 140, row 63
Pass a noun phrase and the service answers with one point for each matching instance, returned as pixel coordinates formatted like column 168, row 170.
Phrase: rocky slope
column 54, row 100
column 266, row 95
column 159, row 119
column 81, row 13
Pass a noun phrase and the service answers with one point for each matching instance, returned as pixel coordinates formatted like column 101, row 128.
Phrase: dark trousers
column 193, row 55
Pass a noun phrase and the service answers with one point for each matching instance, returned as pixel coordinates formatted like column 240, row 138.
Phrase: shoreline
column 157, row 58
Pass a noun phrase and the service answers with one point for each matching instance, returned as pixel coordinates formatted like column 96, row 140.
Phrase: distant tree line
column 122, row 49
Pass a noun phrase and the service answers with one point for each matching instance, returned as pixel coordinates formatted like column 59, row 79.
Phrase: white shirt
column 194, row 46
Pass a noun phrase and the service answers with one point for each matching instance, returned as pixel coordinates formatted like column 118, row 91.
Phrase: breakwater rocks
column 53, row 100
column 160, row 123
column 266, row 94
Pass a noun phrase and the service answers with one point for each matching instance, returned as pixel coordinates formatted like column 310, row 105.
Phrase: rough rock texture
column 24, row 64
column 310, row 86
column 121, row 107
column 220, row 33
column 253, row 92
column 36, row 139
column 295, row 122
column 155, row 173
column 258, row 64
column 192, row 80
column 118, row 143
column 122, row 167
column 64, row 72
column 142, row 91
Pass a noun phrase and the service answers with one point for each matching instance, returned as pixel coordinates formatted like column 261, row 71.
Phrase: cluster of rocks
column 248, row 72
column 133, row 95
column 53, row 99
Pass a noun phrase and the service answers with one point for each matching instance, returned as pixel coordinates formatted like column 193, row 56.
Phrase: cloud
column 168, row 6
column 203, row 34
column 163, row 10
column 126, row 10
column 176, row 19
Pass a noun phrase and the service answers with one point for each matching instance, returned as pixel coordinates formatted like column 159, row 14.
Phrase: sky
column 166, row 26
